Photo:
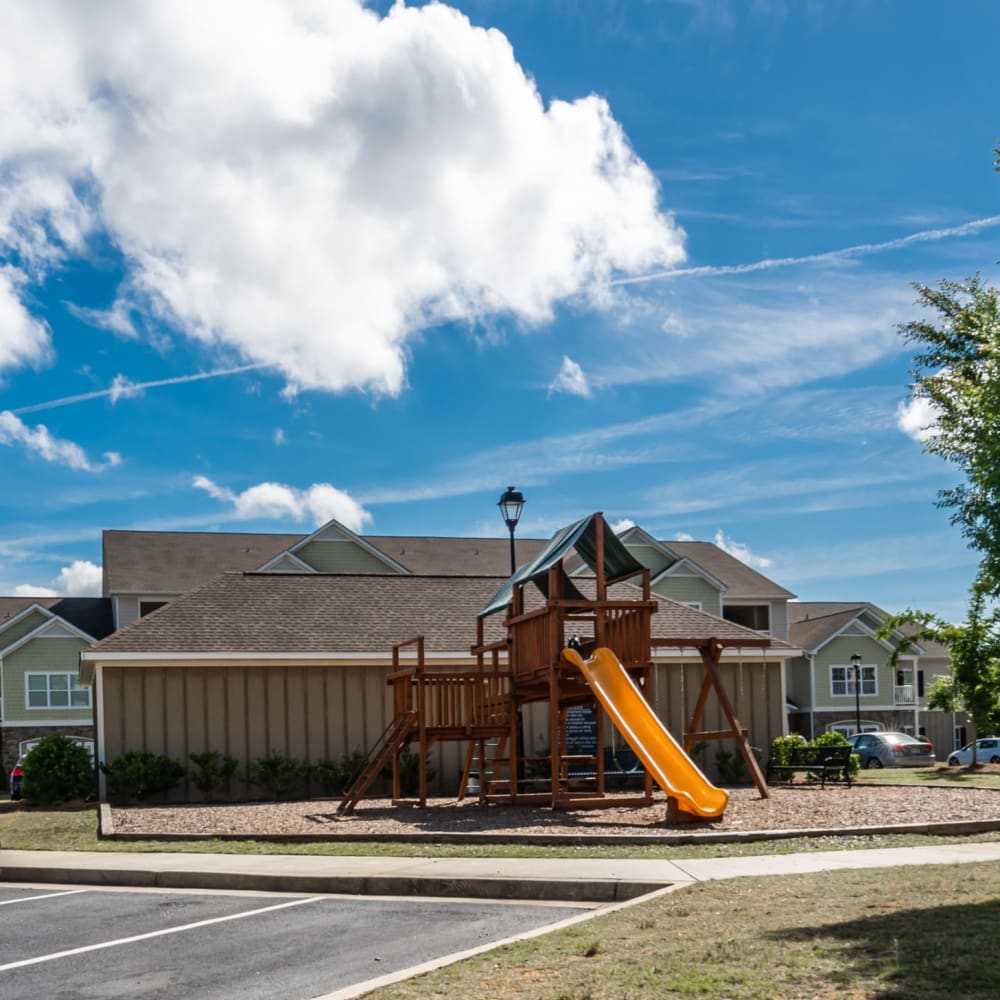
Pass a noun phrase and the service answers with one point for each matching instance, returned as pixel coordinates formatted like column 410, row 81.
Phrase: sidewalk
column 584, row 880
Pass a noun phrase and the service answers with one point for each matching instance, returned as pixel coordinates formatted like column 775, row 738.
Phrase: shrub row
column 60, row 770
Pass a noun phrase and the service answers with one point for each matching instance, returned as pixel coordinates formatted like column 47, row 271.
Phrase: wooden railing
column 538, row 637
column 453, row 701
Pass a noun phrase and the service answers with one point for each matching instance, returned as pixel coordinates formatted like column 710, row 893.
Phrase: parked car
column 892, row 750
column 16, row 777
column 17, row 771
column 987, row 752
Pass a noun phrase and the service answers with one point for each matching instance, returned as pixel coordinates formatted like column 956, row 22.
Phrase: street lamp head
column 510, row 505
column 855, row 660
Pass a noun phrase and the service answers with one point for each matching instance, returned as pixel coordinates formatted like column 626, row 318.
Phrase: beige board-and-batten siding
column 310, row 712
column 753, row 687
column 317, row 711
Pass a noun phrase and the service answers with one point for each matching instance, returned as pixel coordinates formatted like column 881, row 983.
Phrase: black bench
column 826, row 761
column 622, row 768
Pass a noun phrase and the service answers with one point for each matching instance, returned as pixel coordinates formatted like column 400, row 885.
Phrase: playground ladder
column 395, row 737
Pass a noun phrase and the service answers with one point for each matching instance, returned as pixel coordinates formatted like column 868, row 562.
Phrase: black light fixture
column 856, row 663
column 510, row 505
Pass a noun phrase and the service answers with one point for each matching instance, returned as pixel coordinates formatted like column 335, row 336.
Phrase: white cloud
column 59, row 451
column 279, row 436
column 740, row 551
column 23, row 340
column 918, row 418
column 765, row 333
column 353, row 180
column 81, row 578
column 570, row 379
column 30, row 590
column 319, row 503
column 623, row 525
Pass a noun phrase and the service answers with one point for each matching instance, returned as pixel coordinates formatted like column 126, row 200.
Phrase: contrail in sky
column 122, row 388
column 861, row 250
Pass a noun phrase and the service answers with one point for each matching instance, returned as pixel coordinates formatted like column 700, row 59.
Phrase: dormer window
column 755, row 616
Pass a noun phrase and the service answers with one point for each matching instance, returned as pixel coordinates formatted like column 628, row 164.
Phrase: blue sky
column 266, row 263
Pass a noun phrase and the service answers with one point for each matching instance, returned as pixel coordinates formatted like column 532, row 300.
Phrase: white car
column 987, row 752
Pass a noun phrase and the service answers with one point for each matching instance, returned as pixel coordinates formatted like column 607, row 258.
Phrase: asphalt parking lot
column 64, row 942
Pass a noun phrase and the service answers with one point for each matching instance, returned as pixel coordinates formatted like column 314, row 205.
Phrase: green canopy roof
column 581, row 536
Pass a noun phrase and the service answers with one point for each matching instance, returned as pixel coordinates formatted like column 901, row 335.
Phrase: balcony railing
column 903, row 695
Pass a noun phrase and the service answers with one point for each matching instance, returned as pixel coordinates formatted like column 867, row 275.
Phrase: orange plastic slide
column 671, row 768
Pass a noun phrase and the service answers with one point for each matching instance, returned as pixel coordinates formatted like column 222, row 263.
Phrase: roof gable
column 335, row 532
column 687, row 567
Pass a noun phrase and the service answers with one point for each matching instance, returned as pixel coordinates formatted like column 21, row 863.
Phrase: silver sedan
column 892, row 750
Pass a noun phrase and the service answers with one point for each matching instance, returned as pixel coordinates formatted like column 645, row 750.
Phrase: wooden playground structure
column 483, row 706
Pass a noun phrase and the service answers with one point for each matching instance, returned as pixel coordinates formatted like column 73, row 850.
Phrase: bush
column 732, row 767
column 139, row 774
column 336, row 774
column 409, row 772
column 57, row 769
column 281, row 777
column 212, row 771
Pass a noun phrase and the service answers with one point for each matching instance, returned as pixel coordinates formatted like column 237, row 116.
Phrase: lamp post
column 510, row 505
column 856, row 663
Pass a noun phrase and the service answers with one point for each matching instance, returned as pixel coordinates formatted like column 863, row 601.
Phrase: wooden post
column 710, row 655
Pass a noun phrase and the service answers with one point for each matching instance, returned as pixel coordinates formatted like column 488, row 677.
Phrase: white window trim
column 692, row 604
column 869, row 671
column 72, row 678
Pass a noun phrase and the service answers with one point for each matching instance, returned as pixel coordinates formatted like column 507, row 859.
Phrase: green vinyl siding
column 40, row 656
column 797, row 682
column 779, row 619
column 12, row 633
column 689, row 590
column 648, row 556
column 341, row 557
column 838, row 652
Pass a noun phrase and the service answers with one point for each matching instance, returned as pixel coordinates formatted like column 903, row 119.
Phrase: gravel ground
column 795, row 807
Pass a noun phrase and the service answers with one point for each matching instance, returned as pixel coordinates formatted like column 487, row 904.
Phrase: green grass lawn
column 924, row 933
column 963, row 777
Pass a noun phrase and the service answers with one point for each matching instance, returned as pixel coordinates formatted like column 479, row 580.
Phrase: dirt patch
column 796, row 807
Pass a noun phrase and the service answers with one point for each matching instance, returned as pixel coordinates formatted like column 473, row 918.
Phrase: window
column 920, row 684
column 145, row 607
column 842, row 681
column 61, row 690
column 755, row 616
column 692, row 604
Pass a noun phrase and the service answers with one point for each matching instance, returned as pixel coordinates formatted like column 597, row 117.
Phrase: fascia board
column 99, row 657
column 351, row 536
column 645, row 538
column 685, row 562
column 730, row 653
column 303, row 566
column 39, row 633
column 24, row 613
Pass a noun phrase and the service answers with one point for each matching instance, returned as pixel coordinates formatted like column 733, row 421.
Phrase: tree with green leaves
column 957, row 370
column 974, row 657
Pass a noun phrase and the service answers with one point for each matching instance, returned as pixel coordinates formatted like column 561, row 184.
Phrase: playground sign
column 581, row 731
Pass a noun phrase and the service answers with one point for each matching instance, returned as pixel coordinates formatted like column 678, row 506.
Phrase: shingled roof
column 740, row 580
column 89, row 614
column 289, row 613
column 812, row 623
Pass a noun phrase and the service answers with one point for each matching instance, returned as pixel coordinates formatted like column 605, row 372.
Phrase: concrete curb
column 561, row 890
column 959, row 828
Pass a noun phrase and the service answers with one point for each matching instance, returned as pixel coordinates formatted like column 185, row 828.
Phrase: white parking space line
column 152, row 934
column 33, row 899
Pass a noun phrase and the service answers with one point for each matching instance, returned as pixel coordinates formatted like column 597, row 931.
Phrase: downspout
column 812, row 696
